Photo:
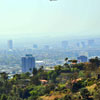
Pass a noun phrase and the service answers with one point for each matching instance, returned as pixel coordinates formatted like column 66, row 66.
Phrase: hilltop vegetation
column 75, row 81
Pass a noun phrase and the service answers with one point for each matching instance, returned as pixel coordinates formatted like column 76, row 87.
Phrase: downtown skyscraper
column 10, row 44
column 28, row 63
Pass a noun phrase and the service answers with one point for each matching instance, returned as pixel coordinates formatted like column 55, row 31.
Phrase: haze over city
column 42, row 18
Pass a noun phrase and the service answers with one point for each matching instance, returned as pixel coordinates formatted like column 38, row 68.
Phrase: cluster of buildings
column 64, row 45
column 28, row 62
column 50, row 57
column 80, row 44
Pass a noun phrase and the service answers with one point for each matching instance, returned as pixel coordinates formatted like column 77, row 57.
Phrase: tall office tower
column 82, row 58
column 28, row 63
column 35, row 46
column 78, row 44
column 46, row 47
column 90, row 42
column 64, row 44
column 10, row 44
column 83, row 44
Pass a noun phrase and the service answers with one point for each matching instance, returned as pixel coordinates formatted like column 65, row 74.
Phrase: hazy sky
column 44, row 18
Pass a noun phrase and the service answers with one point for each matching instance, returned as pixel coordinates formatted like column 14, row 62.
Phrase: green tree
column 58, row 69
column 66, row 59
column 4, row 76
column 95, row 62
column 74, row 61
column 97, row 95
column 24, row 75
column 34, row 71
column 53, row 76
column 17, row 77
column 3, row 97
column 85, row 93
column 67, row 97
column 35, row 80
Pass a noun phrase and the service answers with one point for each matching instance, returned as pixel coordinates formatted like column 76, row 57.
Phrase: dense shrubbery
column 71, row 80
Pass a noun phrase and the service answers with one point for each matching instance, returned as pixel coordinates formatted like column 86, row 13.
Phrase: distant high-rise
column 83, row 44
column 82, row 59
column 90, row 42
column 28, row 63
column 35, row 46
column 10, row 44
column 65, row 44
column 78, row 44
column 46, row 47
